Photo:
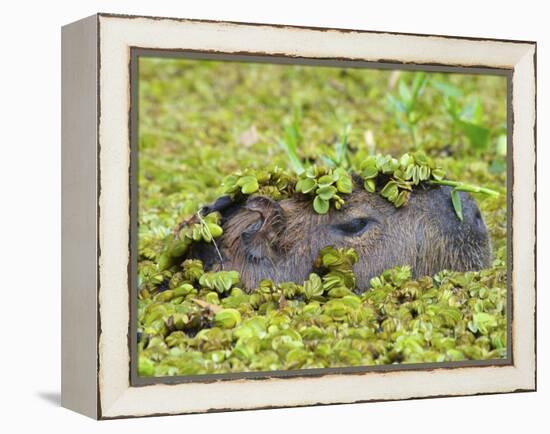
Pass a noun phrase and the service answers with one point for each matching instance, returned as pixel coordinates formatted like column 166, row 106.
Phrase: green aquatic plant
column 192, row 330
column 275, row 183
column 392, row 178
column 326, row 186
column 198, row 228
column 338, row 277
column 220, row 281
column 395, row 178
column 189, row 142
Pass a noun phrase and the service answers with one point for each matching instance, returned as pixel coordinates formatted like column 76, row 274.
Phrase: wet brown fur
column 264, row 239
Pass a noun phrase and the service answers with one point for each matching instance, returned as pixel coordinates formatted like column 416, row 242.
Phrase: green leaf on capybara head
column 320, row 205
column 344, row 184
column 326, row 193
column 457, row 204
column 306, row 185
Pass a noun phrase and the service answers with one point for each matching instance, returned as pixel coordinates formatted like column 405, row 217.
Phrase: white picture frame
column 96, row 163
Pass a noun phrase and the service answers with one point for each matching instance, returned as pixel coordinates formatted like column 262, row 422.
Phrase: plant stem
column 411, row 129
column 462, row 186
column 213, row 240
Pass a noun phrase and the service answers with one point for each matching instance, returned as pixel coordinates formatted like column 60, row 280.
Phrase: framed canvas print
column 261, row 216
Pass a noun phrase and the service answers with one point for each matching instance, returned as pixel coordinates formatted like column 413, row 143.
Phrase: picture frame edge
column 91, row 403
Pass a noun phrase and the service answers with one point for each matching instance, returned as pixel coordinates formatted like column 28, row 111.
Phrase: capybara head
column 266, row 239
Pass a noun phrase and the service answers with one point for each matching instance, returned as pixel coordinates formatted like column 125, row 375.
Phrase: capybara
column 280, row 240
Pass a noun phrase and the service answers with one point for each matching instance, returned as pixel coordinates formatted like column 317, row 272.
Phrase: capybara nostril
column 478, row 220
column 471, row 214
column 477, row 215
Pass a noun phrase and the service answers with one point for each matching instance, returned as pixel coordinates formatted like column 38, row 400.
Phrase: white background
column 30, row 217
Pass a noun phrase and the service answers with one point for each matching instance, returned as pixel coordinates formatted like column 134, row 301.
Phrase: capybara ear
column 266, row 221
column 222, row 204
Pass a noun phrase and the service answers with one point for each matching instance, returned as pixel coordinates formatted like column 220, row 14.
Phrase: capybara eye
column 355, row 226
